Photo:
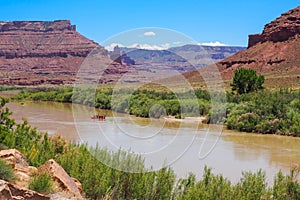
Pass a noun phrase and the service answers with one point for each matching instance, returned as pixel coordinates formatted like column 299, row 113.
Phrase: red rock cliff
column 42, row 39
column 35, row 52
column 274, row 53
column 281, row 29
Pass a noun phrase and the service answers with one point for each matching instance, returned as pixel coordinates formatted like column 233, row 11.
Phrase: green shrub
column 6, row 171
column 41, row 182
column 156, row 111
column 247, row 122
column 209, row 187
column 268, row 126
column 252, row 186
column 279, row 188
column 217, row 114
column 246, row 80
column 270, row 112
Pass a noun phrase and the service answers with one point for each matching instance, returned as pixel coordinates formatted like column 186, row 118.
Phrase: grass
column 6, row 171
column 41, row 182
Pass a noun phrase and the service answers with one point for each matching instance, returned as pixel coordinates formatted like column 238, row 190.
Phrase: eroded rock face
column 274, row 53
column 39, row 52
column 69, row 187
column 21, row 39
column 59, row 175
column 19, row 164
column 78, row 184
column 14, row 158
column 10, row 191
column 281, row 29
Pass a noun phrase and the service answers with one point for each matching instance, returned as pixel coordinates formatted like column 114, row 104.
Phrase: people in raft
column 99, row 117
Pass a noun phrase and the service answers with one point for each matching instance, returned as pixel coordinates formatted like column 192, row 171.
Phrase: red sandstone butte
column 275, row 51
column 37, row 52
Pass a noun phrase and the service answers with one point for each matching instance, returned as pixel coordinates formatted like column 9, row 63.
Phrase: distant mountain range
column 182, row 58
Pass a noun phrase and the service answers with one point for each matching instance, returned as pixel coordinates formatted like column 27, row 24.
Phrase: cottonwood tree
column 246, row 80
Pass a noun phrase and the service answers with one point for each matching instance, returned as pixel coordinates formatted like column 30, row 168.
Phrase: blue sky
column 226, row 21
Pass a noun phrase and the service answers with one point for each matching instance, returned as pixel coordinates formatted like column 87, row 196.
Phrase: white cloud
column 214, row 44
column 177, row 42
column 112, row 46
column 149, row 33
column 150, row 47
column 164, row 46
column 139, row 46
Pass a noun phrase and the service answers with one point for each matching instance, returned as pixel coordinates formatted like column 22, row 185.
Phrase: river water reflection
column 164, row 142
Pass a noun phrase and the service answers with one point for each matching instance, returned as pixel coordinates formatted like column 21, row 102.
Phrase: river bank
column 185, row 119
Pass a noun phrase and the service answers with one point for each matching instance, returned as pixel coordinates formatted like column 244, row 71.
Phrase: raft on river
column 98, row 117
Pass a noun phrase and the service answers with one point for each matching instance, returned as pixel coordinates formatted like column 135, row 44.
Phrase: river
column 169, row 143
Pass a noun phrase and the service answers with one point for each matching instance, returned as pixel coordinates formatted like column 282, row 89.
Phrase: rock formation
column 14, row 158
column 37, row 52
column 18, row 162
column 281, row 29
column 60, row 176
column 9, row 191
column 274, row 53
column 66, row 185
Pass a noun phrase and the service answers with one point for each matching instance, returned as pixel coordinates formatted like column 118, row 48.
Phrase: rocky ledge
column 21, row 39
column 66, row 186
column 42, row 52
column 274, row 53
column 281, row 29
column 13, row 192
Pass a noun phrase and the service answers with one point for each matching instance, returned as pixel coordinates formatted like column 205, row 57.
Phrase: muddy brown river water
column 179, row 145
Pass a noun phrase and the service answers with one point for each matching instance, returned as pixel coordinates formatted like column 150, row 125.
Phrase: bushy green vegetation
column 286, row 187
column 6, row 171
column 46, row 94
column 41, row 182
column 36, row 147
column 101, row 181
column 276, row 112
column 8, row 88
column 246, row 80
column 140, row 103
column 265, row 112
column 251, row 186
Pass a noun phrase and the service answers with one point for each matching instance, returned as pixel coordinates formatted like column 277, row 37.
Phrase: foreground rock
column 60, row 176
column 10, row 191
column 14, row 158
column 66, row 187
column 18, row 162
